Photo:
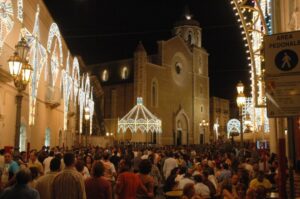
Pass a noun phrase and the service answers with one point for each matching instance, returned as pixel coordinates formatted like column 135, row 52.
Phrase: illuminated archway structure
column 254, row 17
column 47, row 50
column 139, row 118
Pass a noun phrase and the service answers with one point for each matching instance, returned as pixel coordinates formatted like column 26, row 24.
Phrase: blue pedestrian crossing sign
column 282, row 53
column 286, row 60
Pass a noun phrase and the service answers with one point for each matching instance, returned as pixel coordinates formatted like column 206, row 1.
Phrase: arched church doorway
column 181, row 129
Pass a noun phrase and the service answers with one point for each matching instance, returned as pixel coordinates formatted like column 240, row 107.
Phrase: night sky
column 106, row 30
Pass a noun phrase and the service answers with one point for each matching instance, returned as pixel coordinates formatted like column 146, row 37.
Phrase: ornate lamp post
column 86, row 118
column 21, row 72
column 203, row 124
column 241, row 101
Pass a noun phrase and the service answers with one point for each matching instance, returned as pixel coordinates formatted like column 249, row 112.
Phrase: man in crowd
column 33, row 162
column 68, row 184
column 44, row 183
column 21, row 190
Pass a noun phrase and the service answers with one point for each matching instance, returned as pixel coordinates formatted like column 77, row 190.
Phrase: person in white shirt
column 184, row 181
column 200, row 188
column 169, row 164
column 46, row 162
column 109, row 168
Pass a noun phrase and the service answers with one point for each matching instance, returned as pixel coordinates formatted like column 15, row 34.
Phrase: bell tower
column 188, row 29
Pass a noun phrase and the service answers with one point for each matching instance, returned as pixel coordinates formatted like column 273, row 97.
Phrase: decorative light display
column 38, row 59
column 67, row 87
column 252, row 16
column 139, row 118
column 92, row 107
column 20, row 10
column 56, row 61
column 81, row 99
column 6, row 20
column 233, row 126
column 76, row 79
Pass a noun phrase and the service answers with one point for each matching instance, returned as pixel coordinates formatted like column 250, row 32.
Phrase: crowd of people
column 218, row 170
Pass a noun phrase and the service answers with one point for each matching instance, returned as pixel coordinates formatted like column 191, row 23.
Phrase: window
column 104, row 76
column 201, row 109
column 178, row 67
column 154, row 94
column 22, row 142
column 124, row 73
column 47, row 137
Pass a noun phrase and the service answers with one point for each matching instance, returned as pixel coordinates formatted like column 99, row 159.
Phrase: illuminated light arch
column 254, row 17
column 20, row 10
column 56, row 59
column 6, row 20
column 81, row 99
column 233, row 126
column 38, row 60
column 67, row 88
column 92, row 107
column 87, row 89
column 76, row 79
column 139, row 118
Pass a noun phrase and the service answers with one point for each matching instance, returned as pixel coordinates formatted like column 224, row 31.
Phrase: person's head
column 23, row 155
column 260, row 176
column 88, row 159
column 260, row 192
column 55, row 164
column 69, row 159
column 34, row 172
column 189, row 190
column 51, row 153
column 198, row 178
column 105, row 155
column 7, row 157
column 23, row 176
column 33, row 155
column 145, row 166
column 97, row 169
column 234, row 179
column 79, row 165
column 182, row 170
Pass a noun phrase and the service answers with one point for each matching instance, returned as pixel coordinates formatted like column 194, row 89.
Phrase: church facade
column 174, row 85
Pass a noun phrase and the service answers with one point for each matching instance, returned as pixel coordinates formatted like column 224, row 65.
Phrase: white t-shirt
column 183, row 182
column 202, row 189
column 46, row 164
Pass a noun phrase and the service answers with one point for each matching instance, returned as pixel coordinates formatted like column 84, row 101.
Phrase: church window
column 154, row 93
column 201, row 109
column 47, row 137
column 124, row 73
column 104, row 75
column 178, row 67
column 22, row 142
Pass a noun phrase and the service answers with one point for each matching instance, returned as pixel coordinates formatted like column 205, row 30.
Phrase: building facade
column 48, row 108
column 219, row 116
column 174, row 85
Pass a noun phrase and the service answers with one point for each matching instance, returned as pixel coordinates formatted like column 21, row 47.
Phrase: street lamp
column 21, row 72
column 241, row 101
column 203, row 124
column 86, row 118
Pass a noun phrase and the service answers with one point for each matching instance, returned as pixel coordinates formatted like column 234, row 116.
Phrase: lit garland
column 38, row 59
column 67, row 87
column 139, row 118
column 81, row 99
column 20, row 10
column 55, row 61
column 252, row 16
column 76, row 79
column 92, row 107
column 233, row 126
column 6, row 20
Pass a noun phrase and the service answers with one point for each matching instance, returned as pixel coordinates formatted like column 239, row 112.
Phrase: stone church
column 173, row 83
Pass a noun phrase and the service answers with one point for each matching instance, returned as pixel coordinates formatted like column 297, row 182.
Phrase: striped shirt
column 68, row 184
